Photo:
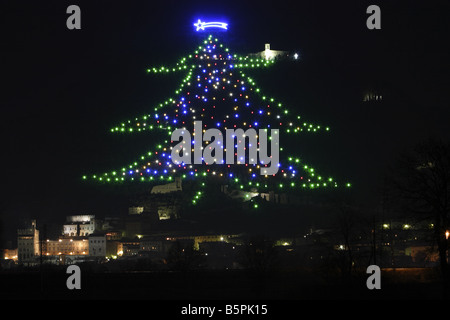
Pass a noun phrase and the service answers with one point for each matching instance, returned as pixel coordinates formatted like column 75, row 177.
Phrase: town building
column 66, row 246
column 79, row 225
column 97, row 246
column 269, row 54
column 10, row 254
column 28, row 249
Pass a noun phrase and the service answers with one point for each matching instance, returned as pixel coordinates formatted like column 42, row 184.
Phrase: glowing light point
column 202, row 25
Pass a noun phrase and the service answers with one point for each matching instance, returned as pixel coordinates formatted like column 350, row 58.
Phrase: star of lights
column 202, row 25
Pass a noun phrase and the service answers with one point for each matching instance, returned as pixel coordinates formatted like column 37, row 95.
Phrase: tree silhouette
column 183, row 257
column 421, row 181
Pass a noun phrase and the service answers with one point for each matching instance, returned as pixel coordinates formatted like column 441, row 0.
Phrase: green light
column 148, row 122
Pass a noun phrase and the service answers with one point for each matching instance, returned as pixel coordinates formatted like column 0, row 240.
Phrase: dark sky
column 63, row 89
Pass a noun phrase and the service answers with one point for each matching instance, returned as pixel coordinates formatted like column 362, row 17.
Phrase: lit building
column 156, row 244
column 28, row 243
column 114, row 249
column 131, row 248
column 372, row 96
column 10, row 254
column 66, row 246
column 113, row 235
column 269, row 54
column 198, row 239
column 79, row 225
column 135, row 210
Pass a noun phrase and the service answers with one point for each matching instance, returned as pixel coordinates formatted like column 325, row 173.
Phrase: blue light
column 202, row 25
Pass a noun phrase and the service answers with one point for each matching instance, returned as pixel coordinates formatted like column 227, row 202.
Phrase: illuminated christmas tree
column 217, row 94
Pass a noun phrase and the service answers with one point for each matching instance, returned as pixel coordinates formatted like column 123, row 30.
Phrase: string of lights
column 216, row 91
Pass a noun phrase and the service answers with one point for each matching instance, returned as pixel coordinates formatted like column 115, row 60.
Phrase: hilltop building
column 269, row 54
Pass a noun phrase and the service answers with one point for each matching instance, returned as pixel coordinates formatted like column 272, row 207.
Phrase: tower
column 28, row 243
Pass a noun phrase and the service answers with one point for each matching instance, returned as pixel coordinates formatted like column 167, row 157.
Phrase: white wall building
column 97, row 246
column 79, row 225
column 269, row 54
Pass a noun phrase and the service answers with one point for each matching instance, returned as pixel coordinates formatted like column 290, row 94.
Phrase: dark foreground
column 214, row 285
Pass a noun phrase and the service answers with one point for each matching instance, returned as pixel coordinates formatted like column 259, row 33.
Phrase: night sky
column 63, row 89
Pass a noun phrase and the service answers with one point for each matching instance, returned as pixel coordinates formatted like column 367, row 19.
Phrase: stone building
column 79, row 225
column 28, row 249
